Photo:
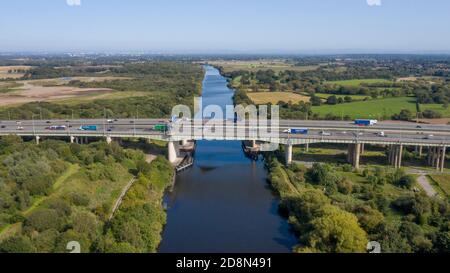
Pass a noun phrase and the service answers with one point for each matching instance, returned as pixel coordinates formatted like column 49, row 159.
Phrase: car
column 48, row 122
column 18, row 122
column 429, row 137
column 381, row 134
column 3, row 126
column 109, row 129
column 323, row 133
column 20, row 128
column 419, row 127
column 110, row 121
column 132, row 122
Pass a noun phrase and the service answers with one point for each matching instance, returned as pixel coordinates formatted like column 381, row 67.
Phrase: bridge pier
column 184, row 142
column 288, row 150
column 395, row 156
column 436, row 157
column 38, row 139
column 109, row 140
column 171, row 152
column 307, row 147
column 354, row 155
column 444, row 151
column 72, row 139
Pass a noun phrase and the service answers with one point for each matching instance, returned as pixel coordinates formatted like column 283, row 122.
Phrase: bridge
column 395, row 136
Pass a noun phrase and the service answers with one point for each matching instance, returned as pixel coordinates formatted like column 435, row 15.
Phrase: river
column 223, row 203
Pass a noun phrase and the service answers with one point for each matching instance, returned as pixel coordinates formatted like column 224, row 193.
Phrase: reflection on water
column 223, row 203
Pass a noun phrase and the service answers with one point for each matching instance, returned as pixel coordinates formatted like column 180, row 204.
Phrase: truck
column 365, row 122
column 297, row 131
column 88, row 128
column 57, row 128
column 161, row 127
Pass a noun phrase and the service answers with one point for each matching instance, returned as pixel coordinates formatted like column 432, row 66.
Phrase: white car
column 323, row 133
column 381, row 134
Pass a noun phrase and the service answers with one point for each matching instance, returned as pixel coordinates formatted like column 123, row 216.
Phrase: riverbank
column 333, row 208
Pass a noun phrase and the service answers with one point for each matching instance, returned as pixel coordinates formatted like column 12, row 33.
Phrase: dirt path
column 425, row 184
column 149, row 159
column 122, row 195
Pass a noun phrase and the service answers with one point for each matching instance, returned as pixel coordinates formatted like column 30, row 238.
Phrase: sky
column 225, row 26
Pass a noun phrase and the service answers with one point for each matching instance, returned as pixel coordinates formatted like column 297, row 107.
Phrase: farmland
column 359, row 82
column 255, row 65
column 275, row 97
column 13, row 72
column 378, row 109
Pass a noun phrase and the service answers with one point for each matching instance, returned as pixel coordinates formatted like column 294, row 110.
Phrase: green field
column 443, row 182
column 355, row 83
column 354, row 97
column 377, row 109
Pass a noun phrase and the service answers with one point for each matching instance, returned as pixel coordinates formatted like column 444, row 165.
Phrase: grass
column 377, row 108
column 356, row 83
column 12, row 228
column 275, row 97
column 354, row 97
column 255, row 65
column 58, row 183
column 442, row 181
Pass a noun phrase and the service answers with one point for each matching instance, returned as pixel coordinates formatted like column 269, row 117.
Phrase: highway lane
column 317, row 129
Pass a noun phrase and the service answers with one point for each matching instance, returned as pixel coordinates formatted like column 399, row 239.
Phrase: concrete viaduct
column 395, row 136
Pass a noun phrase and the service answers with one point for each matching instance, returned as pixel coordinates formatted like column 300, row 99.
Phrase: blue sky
column 234, row 26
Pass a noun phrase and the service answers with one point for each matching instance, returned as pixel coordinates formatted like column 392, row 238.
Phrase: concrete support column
column 108, row 140
column 433, row 156
column 184, row 142
column 307, row 147
column 420, row 150
column 350, row 153
column 429, row 156
column 171, row 152
column 400, row 156
column 72, row 139
column 444, row 151
column 38, row 139
column 396, row 157
column 288, row 151
column 363, row 148
column 86, row 140
column 357, row 155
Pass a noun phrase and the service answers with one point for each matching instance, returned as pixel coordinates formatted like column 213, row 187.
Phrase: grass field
column 275, row 97
column 356, row 83
column 354, row 97
column 442, row 181
column 255, row 65
column 4, row 71
column 377, row 109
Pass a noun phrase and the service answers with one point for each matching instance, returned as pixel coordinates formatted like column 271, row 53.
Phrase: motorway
column 318, row 130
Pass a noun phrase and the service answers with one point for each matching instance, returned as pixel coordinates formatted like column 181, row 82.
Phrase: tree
column 44, row 219
column 404, row 114
column 407, row 181
column 17, row 244
column 336, row 231
column 315, row 100
column 332, row 100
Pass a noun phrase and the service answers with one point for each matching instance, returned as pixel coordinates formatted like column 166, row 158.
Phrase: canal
column 223, row 203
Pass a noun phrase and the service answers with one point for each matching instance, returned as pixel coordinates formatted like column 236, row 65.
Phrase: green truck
column 161, row 127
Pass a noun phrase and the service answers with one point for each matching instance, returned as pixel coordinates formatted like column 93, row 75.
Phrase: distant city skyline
column 226, row 27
